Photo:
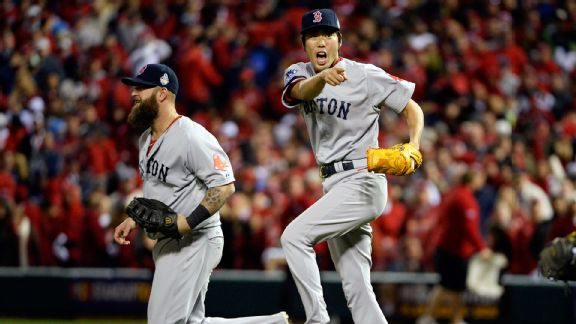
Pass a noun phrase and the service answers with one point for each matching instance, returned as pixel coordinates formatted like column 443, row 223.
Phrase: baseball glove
column 558, row 259
column 400, row 159
column 154, row 216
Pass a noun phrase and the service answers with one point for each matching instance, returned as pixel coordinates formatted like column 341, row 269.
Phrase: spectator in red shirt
column 459, row 237
column 249, row 92
column 387, row 232
column 8, row 236
column 200, row 83
column 8, row 185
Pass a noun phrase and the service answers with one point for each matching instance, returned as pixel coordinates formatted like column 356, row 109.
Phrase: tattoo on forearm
column 214, row 199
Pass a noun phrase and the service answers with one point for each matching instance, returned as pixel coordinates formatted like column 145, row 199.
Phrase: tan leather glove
column 400, row 159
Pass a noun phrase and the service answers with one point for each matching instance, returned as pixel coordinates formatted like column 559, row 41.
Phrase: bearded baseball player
column 340, row 101
column 187, row 178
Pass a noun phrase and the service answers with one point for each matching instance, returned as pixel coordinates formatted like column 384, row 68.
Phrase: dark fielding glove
column 558, row 259
column 154, row 216
column 400, row 159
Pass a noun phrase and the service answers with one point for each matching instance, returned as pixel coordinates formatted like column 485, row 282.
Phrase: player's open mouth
column 321, row 58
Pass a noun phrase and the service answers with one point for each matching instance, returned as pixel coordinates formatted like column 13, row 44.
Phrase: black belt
column 327, row 170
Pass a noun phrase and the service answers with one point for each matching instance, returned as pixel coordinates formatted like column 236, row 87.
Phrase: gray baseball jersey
column 178, row 169
column 181, row 165
column 342, row 122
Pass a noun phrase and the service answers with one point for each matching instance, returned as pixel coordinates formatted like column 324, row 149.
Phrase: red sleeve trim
column 287, row 97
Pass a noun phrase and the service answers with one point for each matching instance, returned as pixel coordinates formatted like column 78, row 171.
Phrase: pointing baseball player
column 340, row 101
column 187, row 178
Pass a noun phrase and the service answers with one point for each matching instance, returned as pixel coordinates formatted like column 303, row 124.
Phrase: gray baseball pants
column 352, row 199
column 183, row 269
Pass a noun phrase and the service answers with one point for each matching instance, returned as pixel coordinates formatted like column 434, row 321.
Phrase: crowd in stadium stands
column 496, row 80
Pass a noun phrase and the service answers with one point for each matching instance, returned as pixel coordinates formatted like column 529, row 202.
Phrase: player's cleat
column 286, row 317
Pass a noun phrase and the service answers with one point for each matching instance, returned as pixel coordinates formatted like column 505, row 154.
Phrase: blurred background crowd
column 496, row 80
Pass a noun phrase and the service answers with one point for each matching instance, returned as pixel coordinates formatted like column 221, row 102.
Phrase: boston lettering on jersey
column 329, row 106
column 156, row 169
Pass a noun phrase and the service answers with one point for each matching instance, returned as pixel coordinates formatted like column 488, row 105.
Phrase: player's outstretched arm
column 121, row 231
column 310, row 88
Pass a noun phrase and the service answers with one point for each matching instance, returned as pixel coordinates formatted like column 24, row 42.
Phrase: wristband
column 197, row 216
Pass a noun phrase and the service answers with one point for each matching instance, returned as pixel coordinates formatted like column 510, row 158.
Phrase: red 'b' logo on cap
column 142, row 69
column 317, row 17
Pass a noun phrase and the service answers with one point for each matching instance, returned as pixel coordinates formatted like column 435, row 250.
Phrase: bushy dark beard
column 143, row 114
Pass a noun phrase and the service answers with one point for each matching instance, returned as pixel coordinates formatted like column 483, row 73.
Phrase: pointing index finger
column 342, row 72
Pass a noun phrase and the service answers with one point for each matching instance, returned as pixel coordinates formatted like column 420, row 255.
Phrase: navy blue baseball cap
column 154, row 75
column 319, row 18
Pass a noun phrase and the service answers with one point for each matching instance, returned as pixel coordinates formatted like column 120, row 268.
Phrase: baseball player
column 184, row 168
column 340, row 101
